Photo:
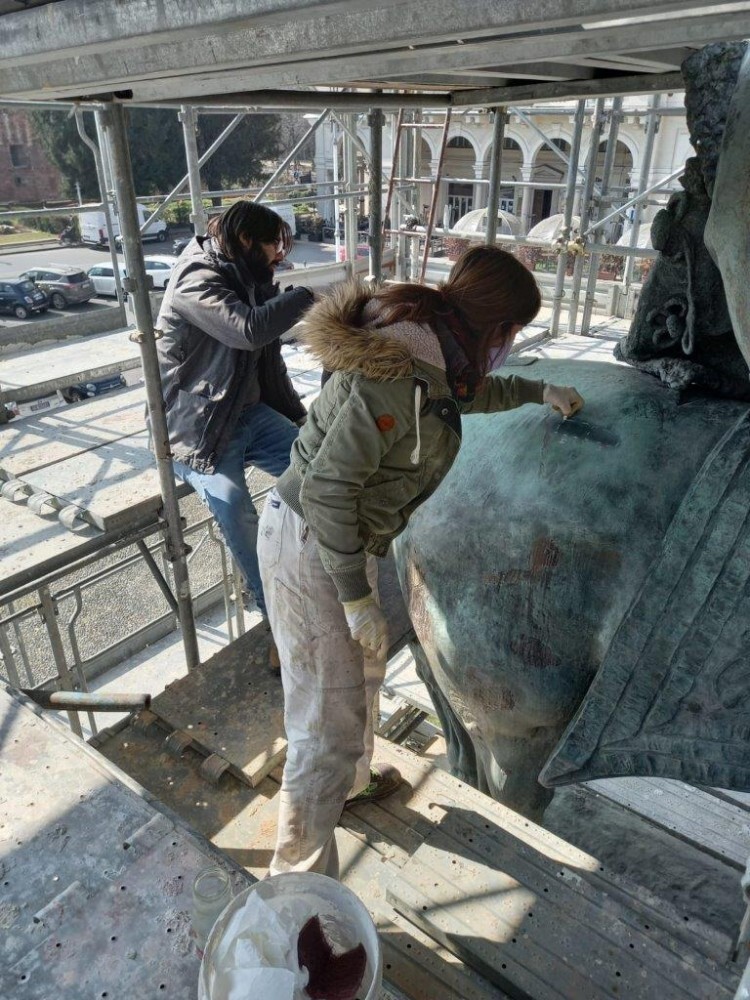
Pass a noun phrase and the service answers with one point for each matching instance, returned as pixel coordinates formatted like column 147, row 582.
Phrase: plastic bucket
column 329, row 899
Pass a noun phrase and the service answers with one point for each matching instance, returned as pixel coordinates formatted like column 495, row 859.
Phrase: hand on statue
column 563, row 398
column 367, row 625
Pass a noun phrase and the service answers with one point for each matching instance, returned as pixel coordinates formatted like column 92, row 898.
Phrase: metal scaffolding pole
column 156, row 214
column 634, row 201
column 336, row 191
column 403, row 207
column 106, row 207
column 189, row 122
column 287, row 160
column 358, row 144
column 49, row 614
column 350, row 184
column 609, row 159
column 108, row 201
column 375, row 120
column 570, row 190
column 101, row 136
column 588, row 191
column 651, row 129
column 525, row 117
column 395, row 153
column 415, row 171
column 496, row 164
column 145, row 337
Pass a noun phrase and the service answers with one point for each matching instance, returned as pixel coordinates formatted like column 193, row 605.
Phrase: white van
column 93, row 226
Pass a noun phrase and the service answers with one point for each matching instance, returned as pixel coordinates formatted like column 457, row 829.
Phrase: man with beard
column 228, row 399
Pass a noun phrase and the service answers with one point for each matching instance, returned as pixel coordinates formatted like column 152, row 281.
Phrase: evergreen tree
column 238, row 162
column 58, row 134
column 157, row 150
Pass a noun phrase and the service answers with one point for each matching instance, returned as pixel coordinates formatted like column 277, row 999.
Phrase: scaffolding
column 408, row 251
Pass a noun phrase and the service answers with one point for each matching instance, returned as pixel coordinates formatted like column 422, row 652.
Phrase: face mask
column 497, row 355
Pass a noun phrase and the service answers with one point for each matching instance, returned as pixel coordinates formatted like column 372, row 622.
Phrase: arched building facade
column 537, row 142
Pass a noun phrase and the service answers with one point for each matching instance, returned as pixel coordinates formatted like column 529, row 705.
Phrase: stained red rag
column 332, row 977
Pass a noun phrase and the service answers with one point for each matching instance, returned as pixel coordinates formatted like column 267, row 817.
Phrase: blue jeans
column 262, row 438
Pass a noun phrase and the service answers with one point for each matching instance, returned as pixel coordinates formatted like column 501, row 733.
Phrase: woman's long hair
column 487, row 293
column 256, row 222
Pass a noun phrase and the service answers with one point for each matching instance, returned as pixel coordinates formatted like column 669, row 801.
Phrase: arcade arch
column 547, row 166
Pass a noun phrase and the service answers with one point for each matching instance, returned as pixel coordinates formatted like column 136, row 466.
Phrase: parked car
column 87, row 390
column 22, row 298
column 103, row 278
column 65, row 286
column 160, row 267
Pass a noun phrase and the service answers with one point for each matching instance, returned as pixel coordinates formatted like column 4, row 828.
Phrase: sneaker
column 384, row 779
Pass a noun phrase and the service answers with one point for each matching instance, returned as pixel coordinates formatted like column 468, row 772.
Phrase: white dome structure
column 476, row 222
column 549, row 229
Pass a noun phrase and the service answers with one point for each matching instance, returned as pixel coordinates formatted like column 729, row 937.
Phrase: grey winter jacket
column 216, row 325
column 381, row 436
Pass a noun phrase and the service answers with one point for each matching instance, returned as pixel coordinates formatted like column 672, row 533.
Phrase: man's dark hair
column 256, row 222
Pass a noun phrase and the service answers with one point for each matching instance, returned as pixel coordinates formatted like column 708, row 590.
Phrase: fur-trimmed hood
column 342, row 331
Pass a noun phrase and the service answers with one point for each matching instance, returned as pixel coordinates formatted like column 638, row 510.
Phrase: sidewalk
column 28, row 247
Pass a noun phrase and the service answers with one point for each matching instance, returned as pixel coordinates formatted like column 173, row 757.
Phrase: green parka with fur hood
column 382, row 434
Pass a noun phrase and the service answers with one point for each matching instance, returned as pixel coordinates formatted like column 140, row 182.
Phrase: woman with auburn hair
column 405, row 362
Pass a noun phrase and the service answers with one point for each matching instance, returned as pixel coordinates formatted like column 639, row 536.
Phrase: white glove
column 367, row 624
column 563, row 398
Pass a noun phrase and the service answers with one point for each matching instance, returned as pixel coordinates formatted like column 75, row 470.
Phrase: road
column 13, row 262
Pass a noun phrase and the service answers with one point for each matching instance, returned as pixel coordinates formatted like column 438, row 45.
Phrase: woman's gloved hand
column 367, row 624
column 563, row 398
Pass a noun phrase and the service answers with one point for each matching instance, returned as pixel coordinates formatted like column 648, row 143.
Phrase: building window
column 460, row 142
column 19, row 155
column 19, row 180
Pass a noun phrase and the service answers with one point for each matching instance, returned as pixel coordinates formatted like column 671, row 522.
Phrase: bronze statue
column 582, row 599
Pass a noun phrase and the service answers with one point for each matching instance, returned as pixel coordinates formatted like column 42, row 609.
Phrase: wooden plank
column 242, row 822
column 215, row 702
column 41, row 371
column 431, row 794
column 742, row 799
column 412, row 960
column 718, row 827
column 537, row 930
column 665, row 929
column 224, row 811
column 233, row 706
column 34, row 442
column 115, row 483
column 693, row 893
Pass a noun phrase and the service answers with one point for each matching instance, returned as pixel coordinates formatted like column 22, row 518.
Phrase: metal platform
column 82, row 477
column 35, row 442
column 267, row 54
column 34, row 373
column 96, row 875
